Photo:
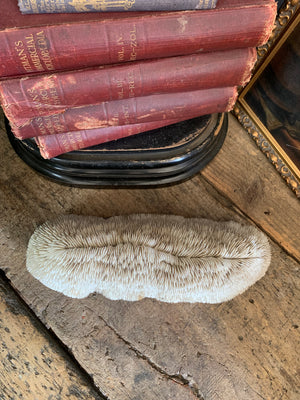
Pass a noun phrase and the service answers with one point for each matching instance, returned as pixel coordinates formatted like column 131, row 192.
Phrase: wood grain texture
column 240, row 350
column 33, row 365
column 242, row 173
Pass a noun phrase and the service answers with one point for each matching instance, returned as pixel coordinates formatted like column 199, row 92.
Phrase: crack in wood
column 177, row 378
column 258, row 394
column 43, row 358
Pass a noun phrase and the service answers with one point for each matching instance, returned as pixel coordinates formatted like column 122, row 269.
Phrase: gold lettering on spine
column 65, row 144
column 49, row 125
column 57, row 124
column 131, row 83
column 33, row 52
column 20, row 50
column 45, row 6
column 53, row 5
column 204, row 4
column 44, row 50
column 74, row 138
column 121, row 50
column 100, row 5
column 133, row 44
column 115, row 119
column 42, row 129
column 126, row 115
column 120, row 89
column 33, row 6
column 78, row 141
column 43, row 93
column 31, row 48
column 127, row 48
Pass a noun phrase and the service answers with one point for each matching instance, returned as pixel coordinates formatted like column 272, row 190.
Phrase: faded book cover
column 54, row 145
column 79, row 6
column 33, row 45
column 50, row 94
column 183, row 105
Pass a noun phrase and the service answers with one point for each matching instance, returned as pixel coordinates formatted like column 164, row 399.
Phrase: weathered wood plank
column 242, row 173
column 243, row 349
column 33, row 365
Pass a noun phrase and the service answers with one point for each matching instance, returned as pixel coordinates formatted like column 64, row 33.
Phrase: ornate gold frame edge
column 283, row 18
column 264, row 145
column 283, row 22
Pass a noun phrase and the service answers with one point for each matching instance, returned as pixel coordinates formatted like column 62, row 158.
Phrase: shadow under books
column 163, row 156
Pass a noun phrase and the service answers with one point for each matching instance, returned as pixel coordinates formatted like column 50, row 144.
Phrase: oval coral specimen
column 166, row 257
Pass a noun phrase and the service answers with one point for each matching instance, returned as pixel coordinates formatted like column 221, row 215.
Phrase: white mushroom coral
column 166, row 257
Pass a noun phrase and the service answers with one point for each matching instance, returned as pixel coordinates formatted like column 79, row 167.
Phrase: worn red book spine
column 51, row 94
column 66, row 46
column 79, row 6
column 54, row 145
column 129, row 111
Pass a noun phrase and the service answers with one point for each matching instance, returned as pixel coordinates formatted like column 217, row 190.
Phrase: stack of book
column 73, row 78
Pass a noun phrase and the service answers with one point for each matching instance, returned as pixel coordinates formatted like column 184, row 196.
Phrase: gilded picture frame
column 266, row 108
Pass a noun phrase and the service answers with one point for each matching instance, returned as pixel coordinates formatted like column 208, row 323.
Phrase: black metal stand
column 160, row 157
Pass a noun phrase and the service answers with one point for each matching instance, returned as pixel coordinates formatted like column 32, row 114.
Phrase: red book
column 34, row 96
column 54, row 145
column 183, row 105
column 50, row 42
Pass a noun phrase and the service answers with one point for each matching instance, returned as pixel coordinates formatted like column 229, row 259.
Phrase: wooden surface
column 33, row 366
column 240, row 350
